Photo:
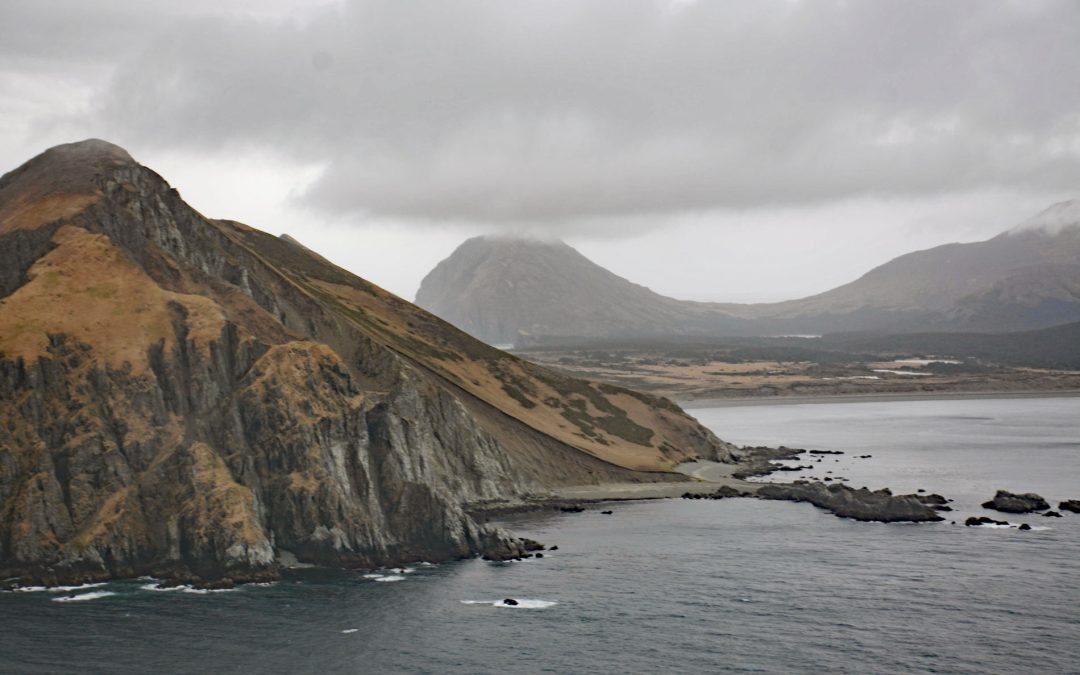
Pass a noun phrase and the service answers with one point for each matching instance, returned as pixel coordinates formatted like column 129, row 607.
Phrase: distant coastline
column 698, row 403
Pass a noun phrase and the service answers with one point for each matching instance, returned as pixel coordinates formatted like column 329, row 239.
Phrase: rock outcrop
column 978, row 521
column 1072, row 505
column 1016, row 503
column 857, row 504
column 193, row 398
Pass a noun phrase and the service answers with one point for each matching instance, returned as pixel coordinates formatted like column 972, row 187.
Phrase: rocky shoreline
column 859, row 504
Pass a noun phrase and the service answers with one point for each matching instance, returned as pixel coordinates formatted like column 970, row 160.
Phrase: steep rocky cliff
column 187, row 397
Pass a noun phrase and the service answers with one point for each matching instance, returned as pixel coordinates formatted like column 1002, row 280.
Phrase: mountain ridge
column 1024, row 278
column 194, row 398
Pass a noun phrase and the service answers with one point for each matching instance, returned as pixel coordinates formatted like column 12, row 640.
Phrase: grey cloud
column 557, row 111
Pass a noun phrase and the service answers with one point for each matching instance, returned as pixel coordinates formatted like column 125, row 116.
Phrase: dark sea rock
column 510, row 601
column 761, row 460
column 722, row 492
column 1072, row 505
column 974, row 521
column 857, row 504
column 571, row 509
column 932, row 499
column 607, row 513
column 1052, row 514
column 1009, row 502
column 217, row 584
column 1024, row 527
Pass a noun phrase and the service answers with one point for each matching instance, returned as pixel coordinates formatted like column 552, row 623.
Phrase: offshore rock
column 861, row 504
column 1072, row 505
column 1008, row 502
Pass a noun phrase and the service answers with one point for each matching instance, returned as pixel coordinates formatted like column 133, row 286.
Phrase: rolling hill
column 506, row 290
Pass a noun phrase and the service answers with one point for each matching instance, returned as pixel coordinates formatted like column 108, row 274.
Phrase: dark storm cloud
column 547, row 110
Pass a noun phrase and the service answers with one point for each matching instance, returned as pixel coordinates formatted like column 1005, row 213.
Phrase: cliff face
column 189, row 398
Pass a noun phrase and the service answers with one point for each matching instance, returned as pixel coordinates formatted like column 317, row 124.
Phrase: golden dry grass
column 26, row 214
column 485, row 379
column 88, row 289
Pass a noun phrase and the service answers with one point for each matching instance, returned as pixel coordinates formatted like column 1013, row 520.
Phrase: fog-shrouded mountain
column 507, row 290
column 194, row 398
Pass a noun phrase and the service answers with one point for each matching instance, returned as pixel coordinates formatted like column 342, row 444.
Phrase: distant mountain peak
column 1052, row 220
column 507, row 289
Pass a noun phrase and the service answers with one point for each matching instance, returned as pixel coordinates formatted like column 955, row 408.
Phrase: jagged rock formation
column 857, row 504
column 507, row 290
column 191, row 398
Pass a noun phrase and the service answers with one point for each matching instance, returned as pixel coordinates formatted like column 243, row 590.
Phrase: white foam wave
column 57, row 589
column 392, row 577
column 349, row 630
column 522, row 603
column 204, row 591
column 85, row 596
column 372, row 576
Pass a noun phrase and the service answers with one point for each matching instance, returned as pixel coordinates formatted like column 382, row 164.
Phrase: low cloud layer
column 550, row 112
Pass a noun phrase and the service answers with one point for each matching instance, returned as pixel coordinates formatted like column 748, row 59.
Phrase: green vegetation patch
column 614, row 421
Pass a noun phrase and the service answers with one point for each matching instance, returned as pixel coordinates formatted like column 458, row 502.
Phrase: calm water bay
column 667, row 586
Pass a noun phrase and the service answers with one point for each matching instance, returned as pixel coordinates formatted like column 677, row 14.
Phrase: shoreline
column 884, row 397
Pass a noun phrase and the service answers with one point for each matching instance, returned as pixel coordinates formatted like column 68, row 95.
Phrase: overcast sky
column 752, row 150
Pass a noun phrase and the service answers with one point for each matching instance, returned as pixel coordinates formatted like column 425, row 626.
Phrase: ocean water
column 665, row 586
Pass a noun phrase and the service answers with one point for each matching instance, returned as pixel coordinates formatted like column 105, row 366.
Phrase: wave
column 56, row 589
column 85, row 596
column 522, row 603
column 204, row 591
column 392, row 577
column 349, row 630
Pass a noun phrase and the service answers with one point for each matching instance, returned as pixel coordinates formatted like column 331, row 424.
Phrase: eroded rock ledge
column 846, row 502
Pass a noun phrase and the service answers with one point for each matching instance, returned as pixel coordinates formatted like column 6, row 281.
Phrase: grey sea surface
column 676, row 586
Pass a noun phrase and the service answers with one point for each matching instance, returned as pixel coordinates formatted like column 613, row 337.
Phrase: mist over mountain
column 506, row 290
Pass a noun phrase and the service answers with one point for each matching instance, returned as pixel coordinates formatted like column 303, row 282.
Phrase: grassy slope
column 625, row 428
